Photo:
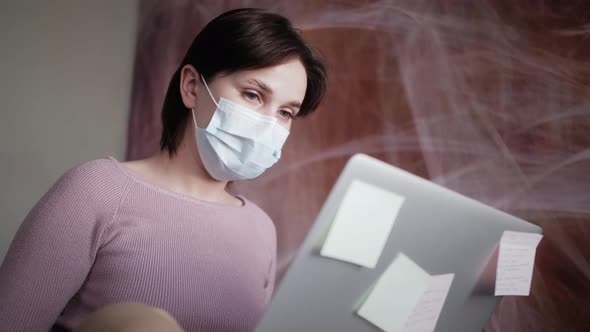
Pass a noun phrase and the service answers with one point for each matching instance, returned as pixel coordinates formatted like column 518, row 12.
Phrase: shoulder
column 95, row 182
column 94, row 174
column 106, row 165
column 261, row 218
column 258, row 212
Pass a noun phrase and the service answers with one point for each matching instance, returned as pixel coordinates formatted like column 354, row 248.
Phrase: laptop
column 440, row 230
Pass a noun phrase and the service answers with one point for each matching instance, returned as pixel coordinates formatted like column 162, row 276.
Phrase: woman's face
column 276, row 91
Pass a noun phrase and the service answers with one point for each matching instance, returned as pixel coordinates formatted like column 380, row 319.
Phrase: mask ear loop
column 212, row 98
column 194, row 119
column 207, row 87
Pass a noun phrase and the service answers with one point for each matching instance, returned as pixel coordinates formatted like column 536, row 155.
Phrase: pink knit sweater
column 102, row 235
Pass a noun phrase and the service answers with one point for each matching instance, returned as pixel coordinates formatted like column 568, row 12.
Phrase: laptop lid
column 440, row 230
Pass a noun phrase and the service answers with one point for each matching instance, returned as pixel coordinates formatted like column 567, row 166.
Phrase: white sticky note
column 362, row 224
column 427, row 311
column 395, row 295
column 516, row 259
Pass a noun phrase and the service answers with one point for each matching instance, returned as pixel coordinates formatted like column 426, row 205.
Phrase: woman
column 163, row 231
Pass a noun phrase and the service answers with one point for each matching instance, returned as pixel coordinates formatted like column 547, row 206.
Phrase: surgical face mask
column 239, row 143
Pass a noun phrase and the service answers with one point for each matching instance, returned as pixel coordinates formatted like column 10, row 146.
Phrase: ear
column 189, row 84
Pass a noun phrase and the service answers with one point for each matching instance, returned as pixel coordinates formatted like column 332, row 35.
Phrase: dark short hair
column 240, row 39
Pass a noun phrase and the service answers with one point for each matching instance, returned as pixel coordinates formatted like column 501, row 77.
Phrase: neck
column 185, row 172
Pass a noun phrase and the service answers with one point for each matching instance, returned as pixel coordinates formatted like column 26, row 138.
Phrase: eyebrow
column 263, row 86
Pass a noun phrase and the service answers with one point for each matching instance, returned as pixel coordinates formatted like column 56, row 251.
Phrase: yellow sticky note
column 362, row 224
column 395, row 295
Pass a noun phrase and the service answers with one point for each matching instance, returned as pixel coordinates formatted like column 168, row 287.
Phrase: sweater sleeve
column 270, row 237
column 271, row 276
column 54, row 248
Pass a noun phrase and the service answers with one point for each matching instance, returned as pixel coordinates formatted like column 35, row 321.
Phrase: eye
column 251, row 96
column 286, row 114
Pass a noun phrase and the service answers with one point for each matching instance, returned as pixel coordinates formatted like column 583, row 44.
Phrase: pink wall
column 491, row 99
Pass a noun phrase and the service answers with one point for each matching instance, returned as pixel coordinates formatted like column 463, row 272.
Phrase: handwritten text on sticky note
column 428, row 309
column 395, row 295
column 516, row 259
